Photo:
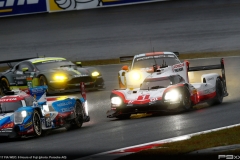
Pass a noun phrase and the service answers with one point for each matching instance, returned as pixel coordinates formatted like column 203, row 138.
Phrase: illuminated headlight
column 172, row 95
column 19, row 117
column 117, row 101
column 136, row 76
column 24, row 114
column 95, row 74
column 60, row 77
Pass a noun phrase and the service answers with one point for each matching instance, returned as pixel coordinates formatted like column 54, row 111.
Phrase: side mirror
column 24, row 69
column 79, row 64
column 125, row 68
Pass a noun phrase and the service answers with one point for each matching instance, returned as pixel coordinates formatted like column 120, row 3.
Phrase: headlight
column 172, row 95
column 24, row 114
column 60, row 77
column 94, row 74
column 136, row 76
column 116, row 101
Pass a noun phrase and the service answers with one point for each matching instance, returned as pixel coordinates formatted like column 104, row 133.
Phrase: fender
column 210, row 78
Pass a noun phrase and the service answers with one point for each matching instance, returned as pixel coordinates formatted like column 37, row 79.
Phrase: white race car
column 168, row 89
column 142, row 66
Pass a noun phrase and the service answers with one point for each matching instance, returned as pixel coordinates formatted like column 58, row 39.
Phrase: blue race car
column 31, row 114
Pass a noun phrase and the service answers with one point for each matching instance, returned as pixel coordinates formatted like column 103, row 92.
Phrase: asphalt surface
column 103, row 134
column 184, row 26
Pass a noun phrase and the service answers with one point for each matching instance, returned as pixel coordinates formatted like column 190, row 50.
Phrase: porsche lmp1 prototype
column 168, row 89
column 24, row 115
column 59, row 74
column 142, row 66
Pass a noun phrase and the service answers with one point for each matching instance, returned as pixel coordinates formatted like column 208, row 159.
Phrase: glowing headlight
column 24, row 114
column 136, row 76
column 172, row 95
column 94, row 74
column 60, row 77
column 116, row 101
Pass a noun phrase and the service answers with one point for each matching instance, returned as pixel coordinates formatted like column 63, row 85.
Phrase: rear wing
column 125, row 59
column 211, row 67
column 15, row 60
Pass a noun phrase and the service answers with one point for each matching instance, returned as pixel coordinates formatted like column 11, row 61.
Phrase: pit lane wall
column 21, row 7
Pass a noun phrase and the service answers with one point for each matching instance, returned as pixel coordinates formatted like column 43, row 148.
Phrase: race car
column 168, row 90
column 59, row 74
column 26, row 113
column 143, row 65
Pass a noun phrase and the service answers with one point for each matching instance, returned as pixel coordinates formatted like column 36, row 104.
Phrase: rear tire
column 78, row 120
column 219, row 92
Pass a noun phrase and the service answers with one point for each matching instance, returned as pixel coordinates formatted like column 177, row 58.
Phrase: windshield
column 155, row 83
column 7, row 107
column 149, row 61
column 54, row 64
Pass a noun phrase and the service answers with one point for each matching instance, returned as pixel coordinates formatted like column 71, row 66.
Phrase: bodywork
column 167, row 90
column 55, row 112
column 60, row 74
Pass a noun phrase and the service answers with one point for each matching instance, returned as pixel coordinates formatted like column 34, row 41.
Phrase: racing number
column 143, row 97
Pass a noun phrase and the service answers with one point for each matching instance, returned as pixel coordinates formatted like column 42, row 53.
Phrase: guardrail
column 22, row 7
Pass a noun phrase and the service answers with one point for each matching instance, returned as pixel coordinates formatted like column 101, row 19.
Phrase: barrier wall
column 21, row 7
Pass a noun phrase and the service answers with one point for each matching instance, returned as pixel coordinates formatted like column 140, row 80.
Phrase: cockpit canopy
column 161, row 82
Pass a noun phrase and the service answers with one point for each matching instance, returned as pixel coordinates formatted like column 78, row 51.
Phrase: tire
column 79, row 114
column 37, row 125
column 186, row 100
column 43, row 82
column 78, row 120
column 124, row 116
column 219, row 92
column 4, row 86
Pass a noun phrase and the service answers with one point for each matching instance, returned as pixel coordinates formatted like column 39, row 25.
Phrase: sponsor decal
column 14, row 7
column 80, row 75
column 67, row 109
column 27, row 125
column 8, row 99
column 64, row 104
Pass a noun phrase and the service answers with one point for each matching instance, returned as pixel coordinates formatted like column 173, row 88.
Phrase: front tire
column 186, row 100
column 4, row 86
column 37, row 125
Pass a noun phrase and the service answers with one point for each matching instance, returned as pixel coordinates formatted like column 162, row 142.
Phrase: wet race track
column 103, row 134
column 187, row 27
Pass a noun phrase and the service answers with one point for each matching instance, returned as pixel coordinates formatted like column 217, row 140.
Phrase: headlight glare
column 136, row 76
column 116, row 101
column 24, row 114
column 172, row 95
column 59, row 77
column 94, row 74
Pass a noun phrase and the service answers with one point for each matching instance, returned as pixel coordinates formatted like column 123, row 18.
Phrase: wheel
column 186, row 101
column 43, row 82
column 78, row 120
column 79, row 114
column 124, row 116
column 219, row 92
column 37, row 125
column 4, row 86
